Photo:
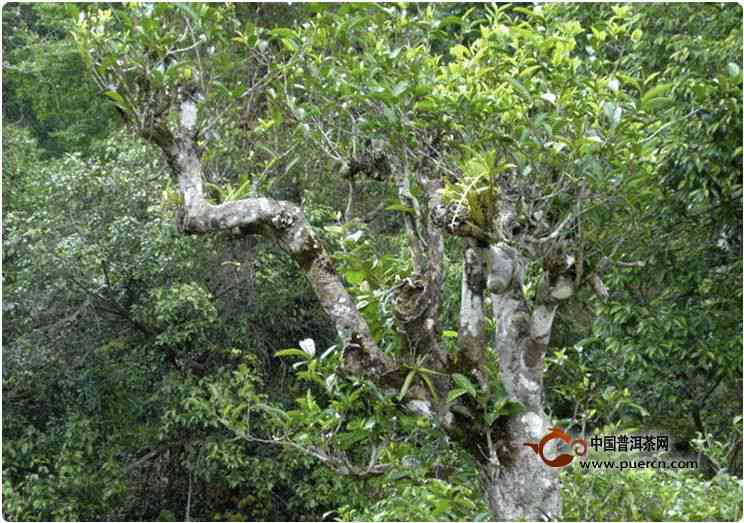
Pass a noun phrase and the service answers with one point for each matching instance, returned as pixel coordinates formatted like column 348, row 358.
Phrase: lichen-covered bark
column 472, row 332
column 416, row 298
column 520, row 485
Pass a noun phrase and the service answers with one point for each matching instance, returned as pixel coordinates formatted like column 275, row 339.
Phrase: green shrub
column 427, row 500
column 647, row 495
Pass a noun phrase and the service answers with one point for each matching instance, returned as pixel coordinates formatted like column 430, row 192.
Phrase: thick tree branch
column 407, row 199
column 472, row 333
column 282, row 221
column 553, row 235
column 417, row 298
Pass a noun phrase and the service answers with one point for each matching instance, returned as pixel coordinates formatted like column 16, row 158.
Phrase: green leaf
column 658, row 103
column 291, row 164
column 406, row 384
column 512, row 408
column 455, row 393
column 499, row 391
column 450, row 20
column 529, row 71
column 628, row 80
column 424, row 370
column 400, row 88
column 429, row 384
column 449, row 334
column 119, row 101
column 465, row 383
column 292, row 352
column 400, row 208
column 188, row 11
column 116, row 97
column 657, row 91
column 241, row 191
column 523, row 92
column 525, row 11
column 348, row 440
column 289, row 44
column 459, row 51
column 354, row 277
column 334, row 229
column 279, row 413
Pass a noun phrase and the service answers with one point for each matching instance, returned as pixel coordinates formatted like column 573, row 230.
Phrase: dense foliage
column 151, row 375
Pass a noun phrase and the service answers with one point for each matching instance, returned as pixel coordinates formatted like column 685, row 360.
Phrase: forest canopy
column 364, row 261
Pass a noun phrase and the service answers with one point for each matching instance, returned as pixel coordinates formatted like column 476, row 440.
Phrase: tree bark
column 519, row 485
column 525, row 488
column 472, row 332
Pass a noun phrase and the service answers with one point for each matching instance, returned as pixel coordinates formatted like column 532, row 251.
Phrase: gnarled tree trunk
column 518, row 485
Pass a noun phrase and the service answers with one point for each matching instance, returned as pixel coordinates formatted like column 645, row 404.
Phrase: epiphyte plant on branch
column 514, row 140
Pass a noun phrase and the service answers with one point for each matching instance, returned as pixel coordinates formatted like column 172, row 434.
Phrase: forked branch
column 282, row 221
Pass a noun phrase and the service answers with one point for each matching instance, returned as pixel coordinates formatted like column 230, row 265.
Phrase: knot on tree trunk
column 415, row 311
column 359, row 360
column 283, row 220
column 474, row 273
column 374, row 165
column 502, row 265
column 558, row 281
column 412, row 299
column 455, row 219
column 508, row 224
column 450, row 217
